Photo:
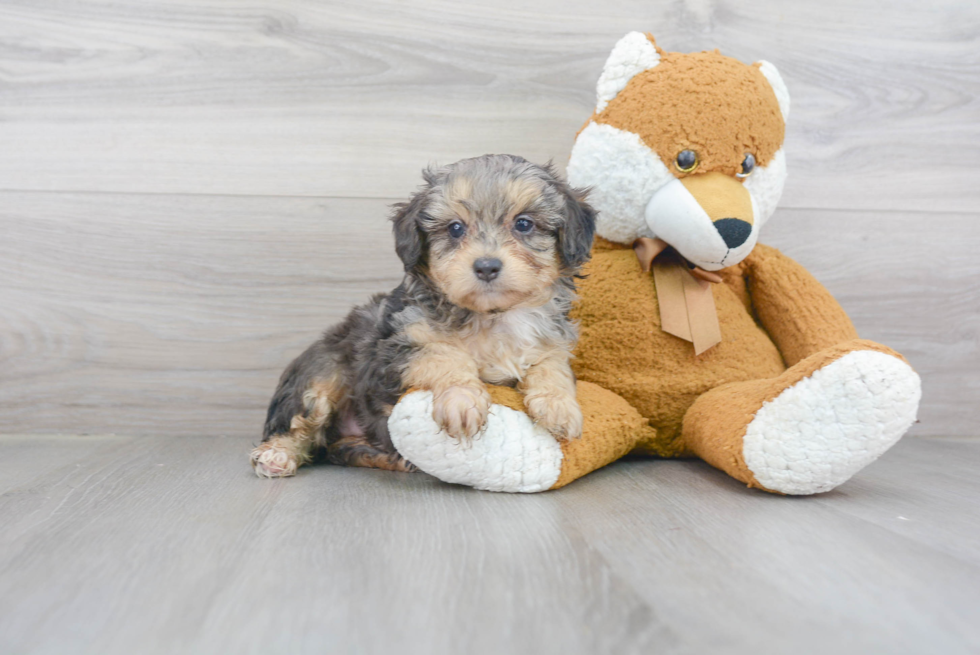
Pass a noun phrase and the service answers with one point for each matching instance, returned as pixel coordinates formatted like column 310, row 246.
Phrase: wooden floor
column 151, row 545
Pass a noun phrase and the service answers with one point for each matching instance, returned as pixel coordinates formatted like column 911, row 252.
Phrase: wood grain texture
column 122, row 545
column 195, row 189
column 172, row 315
column 176, row 315
column 301, row 97
column 191, row 191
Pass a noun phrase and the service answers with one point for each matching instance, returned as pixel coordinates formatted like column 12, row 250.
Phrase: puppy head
column 494, row 232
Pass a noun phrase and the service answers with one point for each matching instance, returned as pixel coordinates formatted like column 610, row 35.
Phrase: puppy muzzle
column 710, row 219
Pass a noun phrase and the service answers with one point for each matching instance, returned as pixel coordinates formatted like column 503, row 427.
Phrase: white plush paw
column 270, row 461
column 509, row 454
column 818, row 433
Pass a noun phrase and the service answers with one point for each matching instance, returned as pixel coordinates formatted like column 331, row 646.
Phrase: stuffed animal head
column 687, row 148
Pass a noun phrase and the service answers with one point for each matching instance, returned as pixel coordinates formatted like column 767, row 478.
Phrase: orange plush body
column 768, row 380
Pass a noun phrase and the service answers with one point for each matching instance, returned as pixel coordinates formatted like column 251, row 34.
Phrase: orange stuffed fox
column 728, row 351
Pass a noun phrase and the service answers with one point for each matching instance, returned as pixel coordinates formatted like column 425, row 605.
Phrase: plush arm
column 801, row 316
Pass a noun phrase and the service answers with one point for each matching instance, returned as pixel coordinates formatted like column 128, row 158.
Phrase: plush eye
column 748, row 165
column 456, row 229
column 687, row 161
column 523, row 224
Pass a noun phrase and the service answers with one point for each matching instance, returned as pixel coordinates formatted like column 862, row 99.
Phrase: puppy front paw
column 461, row 410
column 272, row 461
column 558, row 413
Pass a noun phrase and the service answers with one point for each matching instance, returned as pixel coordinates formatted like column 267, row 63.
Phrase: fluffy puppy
column 491, row 247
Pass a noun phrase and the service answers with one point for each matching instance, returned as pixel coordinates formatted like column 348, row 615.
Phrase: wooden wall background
column 190, row 190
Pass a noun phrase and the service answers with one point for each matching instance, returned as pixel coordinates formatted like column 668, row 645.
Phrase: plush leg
column 813, row 427
column 512, row 453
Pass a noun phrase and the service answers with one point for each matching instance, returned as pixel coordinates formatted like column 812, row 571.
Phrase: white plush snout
column 675, row 216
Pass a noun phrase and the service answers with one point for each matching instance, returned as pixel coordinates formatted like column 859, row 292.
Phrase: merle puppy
column 491, row 248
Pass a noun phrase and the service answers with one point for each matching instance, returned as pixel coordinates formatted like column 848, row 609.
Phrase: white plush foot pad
column 510, row 453
column 825, row 428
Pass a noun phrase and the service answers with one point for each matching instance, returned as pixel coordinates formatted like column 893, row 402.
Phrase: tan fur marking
column 383, row 462
column 319, row 400
column 439, row 365
column 358, row 451
column 549, row 395
column 281, row 455
column 458, row 195
column 521, row 194
column 459, row 399
column 536, row 261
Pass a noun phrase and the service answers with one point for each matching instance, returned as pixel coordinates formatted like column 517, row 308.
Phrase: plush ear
column 406, row 225
column 632, row 54
column 778, row 86
column 576, row 233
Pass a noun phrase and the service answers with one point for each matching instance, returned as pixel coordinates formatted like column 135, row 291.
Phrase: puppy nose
column 734, row 231
column 486, row 268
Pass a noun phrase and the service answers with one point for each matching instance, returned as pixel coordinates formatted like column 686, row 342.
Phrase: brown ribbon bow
column 687, row 305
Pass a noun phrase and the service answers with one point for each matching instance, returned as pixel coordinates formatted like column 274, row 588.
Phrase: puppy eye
column 456, row 229
column 748, row 165
column 523, row 225
column 687, row 161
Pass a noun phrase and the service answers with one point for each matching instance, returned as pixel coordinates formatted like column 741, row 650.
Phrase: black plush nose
column 486, row 268
column 734, row 231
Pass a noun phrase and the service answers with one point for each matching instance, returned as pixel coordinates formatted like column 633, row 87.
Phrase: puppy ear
column 575, row 236
column 409, row 236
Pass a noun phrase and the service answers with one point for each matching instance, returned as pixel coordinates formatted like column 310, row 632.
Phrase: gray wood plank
column 297, row 97
column 880, row 497
column 27, row 456
column 124, row 313
column 729, row 562
column 172, row 545
column 155, row 314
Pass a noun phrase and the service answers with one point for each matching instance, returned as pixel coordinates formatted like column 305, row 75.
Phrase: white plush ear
column 632, row 54
column 778, row 86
